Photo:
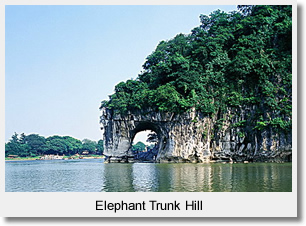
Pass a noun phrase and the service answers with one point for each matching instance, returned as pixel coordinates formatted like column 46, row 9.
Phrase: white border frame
column 216, row 204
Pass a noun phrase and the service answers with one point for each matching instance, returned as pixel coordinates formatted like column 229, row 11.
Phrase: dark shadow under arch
column 143, row 126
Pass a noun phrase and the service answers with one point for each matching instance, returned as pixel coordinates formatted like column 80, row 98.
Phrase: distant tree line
column 36, row 145
column 138, row 147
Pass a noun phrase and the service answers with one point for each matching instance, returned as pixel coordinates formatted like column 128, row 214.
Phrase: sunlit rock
column 191, row 137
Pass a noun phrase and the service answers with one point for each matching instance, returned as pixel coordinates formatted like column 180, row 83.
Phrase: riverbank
column 22, row 158
column 63, row 158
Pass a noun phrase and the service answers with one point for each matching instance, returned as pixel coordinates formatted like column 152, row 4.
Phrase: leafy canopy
column 232, row 59
column 36, row 145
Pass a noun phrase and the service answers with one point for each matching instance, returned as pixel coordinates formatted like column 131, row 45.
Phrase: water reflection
column 118, row 177
column 190, row 177
column 211, row 177
column 145, row 177
column 93, row 175
column 221, row 177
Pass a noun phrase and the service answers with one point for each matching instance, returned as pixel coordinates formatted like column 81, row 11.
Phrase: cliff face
column 234, row 139
column 193, row 137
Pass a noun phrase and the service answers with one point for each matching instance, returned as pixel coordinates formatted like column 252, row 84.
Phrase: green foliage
column 100, row 147
column 235, row 99
column 138, row 147
column 219, row 123
column 167, row 98
column 240, row 134
column 89, row 145
column 239, row 124
column 237, row 59
column 73, row 145
column 280, row 123
column 56, row 145
column 261, row 125
column 36, row 145
column 195, row 120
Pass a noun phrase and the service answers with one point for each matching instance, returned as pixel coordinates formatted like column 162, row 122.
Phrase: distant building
column 12, row 156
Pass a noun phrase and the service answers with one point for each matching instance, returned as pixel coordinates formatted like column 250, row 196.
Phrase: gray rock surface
column 192, row 137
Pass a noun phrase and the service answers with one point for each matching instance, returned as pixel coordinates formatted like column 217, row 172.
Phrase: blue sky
column 61, row 61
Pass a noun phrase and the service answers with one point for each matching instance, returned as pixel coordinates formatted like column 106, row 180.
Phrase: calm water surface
column 95, row 176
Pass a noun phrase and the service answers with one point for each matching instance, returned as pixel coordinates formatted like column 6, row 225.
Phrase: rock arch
column 179, row 139
column 146, row 125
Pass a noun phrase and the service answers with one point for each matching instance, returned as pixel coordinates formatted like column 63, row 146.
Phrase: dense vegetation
column 138, row 147
column 237, row 59
column 36, row 145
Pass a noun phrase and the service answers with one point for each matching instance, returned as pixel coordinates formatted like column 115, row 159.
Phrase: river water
column 95, row 176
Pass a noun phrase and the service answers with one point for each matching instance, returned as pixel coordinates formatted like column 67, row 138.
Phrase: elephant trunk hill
column 222, row 92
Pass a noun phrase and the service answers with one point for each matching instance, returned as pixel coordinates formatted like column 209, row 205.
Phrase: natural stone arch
column 179, row 140
column 149, row 155
column 146, row 125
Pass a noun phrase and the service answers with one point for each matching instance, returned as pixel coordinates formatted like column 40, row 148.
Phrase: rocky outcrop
column 235, row 140
column 147, row 156
column 194, row 137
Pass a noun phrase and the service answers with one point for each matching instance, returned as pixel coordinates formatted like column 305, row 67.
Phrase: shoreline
column 86, row 158
column 38, row 159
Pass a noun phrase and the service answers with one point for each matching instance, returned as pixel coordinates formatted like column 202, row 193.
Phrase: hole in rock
column 144, row 145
